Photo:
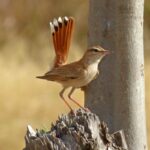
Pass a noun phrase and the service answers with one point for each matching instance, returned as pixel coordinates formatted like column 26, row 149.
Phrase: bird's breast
column 88, row 76
column 91, row 72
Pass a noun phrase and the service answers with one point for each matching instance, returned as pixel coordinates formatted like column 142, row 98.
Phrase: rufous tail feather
column 61, row 30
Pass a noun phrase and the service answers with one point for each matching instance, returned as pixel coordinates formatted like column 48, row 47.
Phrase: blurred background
column 26, row 51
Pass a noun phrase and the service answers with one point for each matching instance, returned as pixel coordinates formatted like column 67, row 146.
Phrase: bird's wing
column 66, row 72
column 61, row 30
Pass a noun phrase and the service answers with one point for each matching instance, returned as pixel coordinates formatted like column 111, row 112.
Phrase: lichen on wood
column 75, row 131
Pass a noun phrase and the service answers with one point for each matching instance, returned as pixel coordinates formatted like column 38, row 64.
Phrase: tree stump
column 75, row 131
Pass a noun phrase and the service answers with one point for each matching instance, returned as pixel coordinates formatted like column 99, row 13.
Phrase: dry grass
column 27, row 100
column 147, row 85
column 23, row 98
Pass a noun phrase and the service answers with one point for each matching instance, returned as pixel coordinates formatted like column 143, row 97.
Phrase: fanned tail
column 61, row 30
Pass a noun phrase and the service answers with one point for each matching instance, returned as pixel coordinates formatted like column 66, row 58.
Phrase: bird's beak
column 107, row 52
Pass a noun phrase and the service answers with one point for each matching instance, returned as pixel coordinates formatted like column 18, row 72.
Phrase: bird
column 77, row 74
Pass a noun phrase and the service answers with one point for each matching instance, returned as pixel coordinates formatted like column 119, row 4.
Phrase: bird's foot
column 72, row 112
column 85, row 109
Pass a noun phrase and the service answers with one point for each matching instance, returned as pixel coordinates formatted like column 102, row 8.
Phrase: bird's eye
column 95, row 50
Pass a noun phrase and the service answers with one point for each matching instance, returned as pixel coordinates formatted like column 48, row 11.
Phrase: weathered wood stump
column 79, row 131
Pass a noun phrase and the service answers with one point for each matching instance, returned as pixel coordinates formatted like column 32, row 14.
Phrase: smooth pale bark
column 118, row 94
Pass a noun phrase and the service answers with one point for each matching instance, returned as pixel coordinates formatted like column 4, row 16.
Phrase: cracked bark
column 79, row 131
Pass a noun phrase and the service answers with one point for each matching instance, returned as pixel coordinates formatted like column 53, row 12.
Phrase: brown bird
column 79, row 73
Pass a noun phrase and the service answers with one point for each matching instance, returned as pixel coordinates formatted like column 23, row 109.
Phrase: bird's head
column 95, row 54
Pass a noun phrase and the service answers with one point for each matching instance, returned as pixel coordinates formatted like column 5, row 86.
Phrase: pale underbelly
column 80, row 82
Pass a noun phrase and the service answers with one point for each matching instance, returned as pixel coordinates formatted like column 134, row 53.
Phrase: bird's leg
column 61, row 95
column 69, row 96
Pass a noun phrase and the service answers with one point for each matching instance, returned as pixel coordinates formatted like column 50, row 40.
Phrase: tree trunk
column 79, row 131
column 118, row 94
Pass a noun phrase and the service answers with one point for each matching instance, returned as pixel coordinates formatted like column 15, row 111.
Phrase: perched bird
column 79, row 73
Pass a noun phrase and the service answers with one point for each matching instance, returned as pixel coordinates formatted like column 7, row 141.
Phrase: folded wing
column 64, row 73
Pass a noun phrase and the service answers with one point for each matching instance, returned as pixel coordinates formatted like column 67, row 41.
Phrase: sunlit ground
column 26, row 100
